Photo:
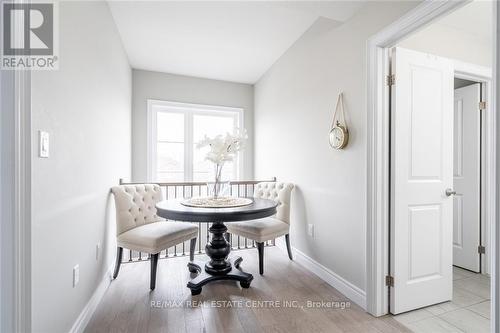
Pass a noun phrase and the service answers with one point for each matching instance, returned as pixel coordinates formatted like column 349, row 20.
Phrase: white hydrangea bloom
column 224, row 148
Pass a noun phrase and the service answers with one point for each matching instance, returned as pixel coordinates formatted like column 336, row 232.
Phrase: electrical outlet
column 310, row 230
column 76, row 275
column 97, row 251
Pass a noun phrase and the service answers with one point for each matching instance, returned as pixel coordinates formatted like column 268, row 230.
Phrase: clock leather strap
column 339, row 105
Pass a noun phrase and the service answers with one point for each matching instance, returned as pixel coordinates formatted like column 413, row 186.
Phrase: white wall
column 186, row 89
column 86, row 108
column 294, row 103
column 451, row 43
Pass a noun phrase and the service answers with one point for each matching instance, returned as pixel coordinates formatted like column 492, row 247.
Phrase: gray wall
column 294, row 103
column 86, row 108
column 178, row 88
column 451, row 43
column 460, row 83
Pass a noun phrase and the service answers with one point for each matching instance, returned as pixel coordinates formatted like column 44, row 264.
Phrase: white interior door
column 422, row 171
column 467, row 155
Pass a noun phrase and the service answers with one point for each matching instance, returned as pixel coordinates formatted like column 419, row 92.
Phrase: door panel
column 424, row 241
column 422, row 121
column 422, row 170
column 466, row 175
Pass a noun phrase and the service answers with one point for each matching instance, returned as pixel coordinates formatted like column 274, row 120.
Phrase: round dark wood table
column 220, row 266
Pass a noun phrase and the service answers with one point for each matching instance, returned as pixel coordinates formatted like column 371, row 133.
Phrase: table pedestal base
column 205, row 277
column 219, row 267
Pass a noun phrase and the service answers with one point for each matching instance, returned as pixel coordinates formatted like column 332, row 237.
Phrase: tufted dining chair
column 139, row 228
column 268, row 228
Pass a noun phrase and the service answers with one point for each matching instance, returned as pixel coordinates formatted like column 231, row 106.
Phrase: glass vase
column 219, row 189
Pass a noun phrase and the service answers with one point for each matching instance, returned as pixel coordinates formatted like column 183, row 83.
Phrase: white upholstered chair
column 268, row 228
column 139, row 228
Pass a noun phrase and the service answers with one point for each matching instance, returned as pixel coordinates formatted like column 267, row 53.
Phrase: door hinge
column 481, row 249
column 391, row 79
column 482, row 105
column 389, row 280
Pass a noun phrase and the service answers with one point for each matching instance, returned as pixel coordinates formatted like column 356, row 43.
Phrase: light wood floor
column 126, row 306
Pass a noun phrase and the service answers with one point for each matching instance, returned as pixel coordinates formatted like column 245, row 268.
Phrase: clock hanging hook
column 340, row 104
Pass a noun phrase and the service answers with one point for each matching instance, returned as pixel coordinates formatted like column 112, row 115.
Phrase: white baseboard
column 87, row 312
column 355, row 294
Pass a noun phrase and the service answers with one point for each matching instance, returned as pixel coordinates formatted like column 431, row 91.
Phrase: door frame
column 483, row 75
column 15, row 250
column 378, row 157
column 15, row 212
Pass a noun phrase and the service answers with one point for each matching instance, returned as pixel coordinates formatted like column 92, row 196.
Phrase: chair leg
column 154, row 264
column 119, row 253
column 260, row 248
column 192, row 248
column 288, row 247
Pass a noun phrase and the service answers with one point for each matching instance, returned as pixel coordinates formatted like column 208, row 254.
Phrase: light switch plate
column 97, row 250
column 76, row 275
column 310, row 230
column 43, row 140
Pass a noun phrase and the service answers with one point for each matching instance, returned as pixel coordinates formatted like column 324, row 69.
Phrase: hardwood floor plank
column 283, row 292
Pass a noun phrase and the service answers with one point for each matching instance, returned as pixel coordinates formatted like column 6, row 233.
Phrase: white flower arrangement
column 223, row 148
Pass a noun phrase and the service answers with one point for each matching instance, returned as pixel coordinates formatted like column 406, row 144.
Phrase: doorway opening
column 468, row 237
column 436, row 159
column 380, row 187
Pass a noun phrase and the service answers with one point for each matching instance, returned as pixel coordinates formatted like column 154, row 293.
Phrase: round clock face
column 338, row 137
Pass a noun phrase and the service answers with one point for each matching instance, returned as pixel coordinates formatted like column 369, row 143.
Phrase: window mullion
column 237, row 162
column 153, row 167
column 188, row 146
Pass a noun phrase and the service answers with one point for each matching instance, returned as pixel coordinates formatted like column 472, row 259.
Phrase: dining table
column 220, row 266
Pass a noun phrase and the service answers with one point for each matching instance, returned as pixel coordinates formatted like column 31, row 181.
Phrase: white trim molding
column 495, row 230
column 354, row 293
column 378, row 145
column 484, row 76
column 15, row 208
column 22, row 201
column 89, row 309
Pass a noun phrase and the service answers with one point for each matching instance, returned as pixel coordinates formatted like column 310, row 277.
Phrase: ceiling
column 474, row 18
column 234, row 41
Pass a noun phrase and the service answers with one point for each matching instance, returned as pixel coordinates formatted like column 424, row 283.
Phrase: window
column 173, row 131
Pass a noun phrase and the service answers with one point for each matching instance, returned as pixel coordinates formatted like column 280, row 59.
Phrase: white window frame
column 189, row 110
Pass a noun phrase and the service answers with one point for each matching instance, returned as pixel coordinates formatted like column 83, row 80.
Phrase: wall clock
column 339, row 133
column 339, row 136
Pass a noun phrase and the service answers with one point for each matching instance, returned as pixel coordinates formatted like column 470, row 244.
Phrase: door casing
column 467, row 177
column 483, row 75
column 378, row 151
